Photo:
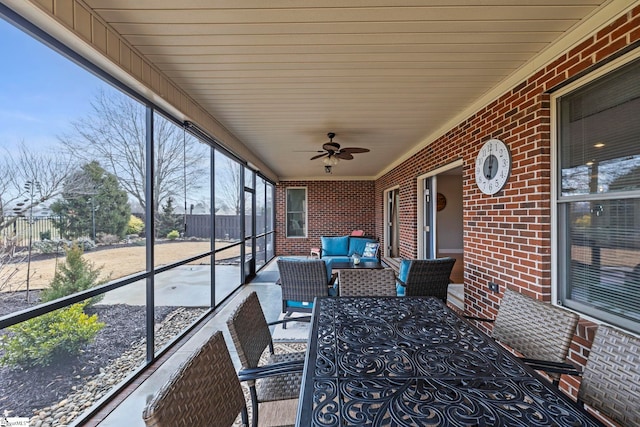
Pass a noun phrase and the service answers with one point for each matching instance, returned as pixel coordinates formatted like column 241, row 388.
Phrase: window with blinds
column 599, row 197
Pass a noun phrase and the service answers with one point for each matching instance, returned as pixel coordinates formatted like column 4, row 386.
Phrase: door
column 393, row 228
column 427, row 225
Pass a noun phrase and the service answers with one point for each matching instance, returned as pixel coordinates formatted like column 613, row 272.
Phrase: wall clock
column 493, row 166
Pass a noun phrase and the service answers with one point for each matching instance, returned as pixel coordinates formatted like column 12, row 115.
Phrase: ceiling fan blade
column 344, row 155
column 319, row 155
column 331, row 146
column 355, row 150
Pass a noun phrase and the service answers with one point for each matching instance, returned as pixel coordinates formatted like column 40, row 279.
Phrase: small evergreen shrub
column 43, row 339
column 75, row 275
column 135, row 225
column 45, row 235
column 173, row 235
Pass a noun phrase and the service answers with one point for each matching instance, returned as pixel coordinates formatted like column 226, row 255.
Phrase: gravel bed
column 56, row 394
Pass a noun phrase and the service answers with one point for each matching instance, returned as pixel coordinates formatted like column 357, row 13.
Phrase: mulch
column 24, row 390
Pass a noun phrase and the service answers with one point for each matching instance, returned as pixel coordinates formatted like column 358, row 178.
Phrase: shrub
column 45, row 235
column 173, row 235
column 75, row 275
column 50, row 246
column 107, row 239
column 43, row 339
column 85, row 243
column 135, row 225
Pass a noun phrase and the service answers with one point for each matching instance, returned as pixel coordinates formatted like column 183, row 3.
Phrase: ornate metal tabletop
column 414, row 362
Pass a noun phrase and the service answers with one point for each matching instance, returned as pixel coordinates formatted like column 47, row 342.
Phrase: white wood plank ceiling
column 381, row 74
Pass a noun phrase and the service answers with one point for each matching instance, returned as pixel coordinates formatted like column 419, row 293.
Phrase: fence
column 36, row 225
column 227, row 227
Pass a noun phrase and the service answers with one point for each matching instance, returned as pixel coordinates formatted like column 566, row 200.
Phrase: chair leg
column 286, row 316
column 245, row 417
column 254, row 406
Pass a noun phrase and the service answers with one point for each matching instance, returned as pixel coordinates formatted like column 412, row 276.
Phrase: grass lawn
column 117, row 262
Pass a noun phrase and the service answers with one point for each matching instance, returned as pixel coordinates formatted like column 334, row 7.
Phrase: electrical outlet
column 493, row 287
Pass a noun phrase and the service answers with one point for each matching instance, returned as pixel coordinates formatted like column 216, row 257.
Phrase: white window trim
column 608, row 68
column 420, row 204
column 306, row 212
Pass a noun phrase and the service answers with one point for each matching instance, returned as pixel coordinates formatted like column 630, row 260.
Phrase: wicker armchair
column 205, row 391
column 541, row 332
column 301, row 282
column 367, row 282
column 611, row 377
column 280, row 378
column 427, row 277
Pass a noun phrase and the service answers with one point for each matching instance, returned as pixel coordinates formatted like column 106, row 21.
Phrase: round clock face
column 493, row 166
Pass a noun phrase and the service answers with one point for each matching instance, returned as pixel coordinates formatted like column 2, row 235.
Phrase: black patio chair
column 301, row 281
column 426, row 277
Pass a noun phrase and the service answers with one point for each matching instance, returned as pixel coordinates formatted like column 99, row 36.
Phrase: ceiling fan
column 332, row 151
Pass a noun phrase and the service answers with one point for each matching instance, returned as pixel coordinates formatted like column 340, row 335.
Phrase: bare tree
column 44, row 173
column 11, row 259
column 113, row 133
column 227, row 184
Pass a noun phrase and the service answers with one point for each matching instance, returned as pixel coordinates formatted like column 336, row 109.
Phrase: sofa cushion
column 357, row 245
column 299, row 304
column 335, row 245
column 332, row 292
column 403, row 273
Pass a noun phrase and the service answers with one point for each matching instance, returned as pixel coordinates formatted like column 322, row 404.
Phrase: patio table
column 414, row 362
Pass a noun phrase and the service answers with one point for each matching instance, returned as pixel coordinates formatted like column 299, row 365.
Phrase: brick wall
column 507, row 237
column 334, row 208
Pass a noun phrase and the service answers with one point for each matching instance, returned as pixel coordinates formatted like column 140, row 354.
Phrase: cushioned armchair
column 302, row 280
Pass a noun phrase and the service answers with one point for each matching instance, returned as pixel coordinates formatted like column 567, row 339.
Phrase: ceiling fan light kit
column 333, row 153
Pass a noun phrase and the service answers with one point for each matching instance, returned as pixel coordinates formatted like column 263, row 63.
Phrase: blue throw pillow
column 402, row 275
column 332, row 246
column 357, row 245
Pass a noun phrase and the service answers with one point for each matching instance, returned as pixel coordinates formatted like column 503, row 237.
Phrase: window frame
column 304, row 211
column 559, row 225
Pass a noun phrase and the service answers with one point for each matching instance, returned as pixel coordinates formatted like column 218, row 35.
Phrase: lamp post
column 93, row 218
column 31, row 187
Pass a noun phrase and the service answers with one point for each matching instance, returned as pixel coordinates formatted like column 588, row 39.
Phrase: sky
column 40, row 90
